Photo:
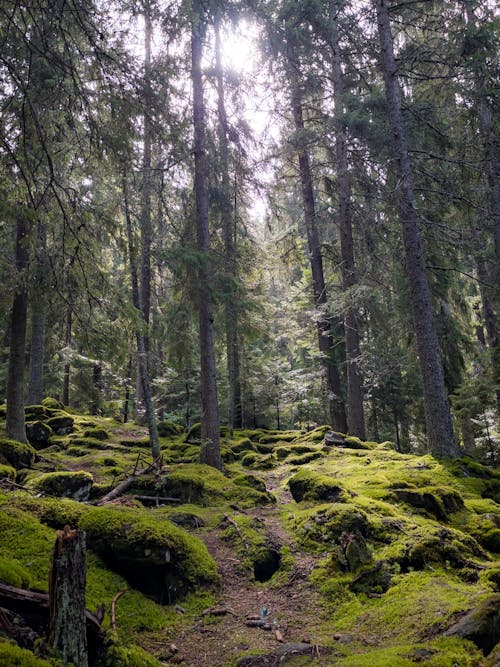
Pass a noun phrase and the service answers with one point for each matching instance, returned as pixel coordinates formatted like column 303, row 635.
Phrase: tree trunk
column 67, row 365
column 210, row 437
column 441, row 440
column 325, row 340
column 229, row 228
column 95, row 407
column 67, row 627
column 355, row 409
column 146, row 226
column 37, row 349
column 15, row 426
column 142, row 364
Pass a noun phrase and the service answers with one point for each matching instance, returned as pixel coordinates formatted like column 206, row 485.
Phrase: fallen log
column 126, row 484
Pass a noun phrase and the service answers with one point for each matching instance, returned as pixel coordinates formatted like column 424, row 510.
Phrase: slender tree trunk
column 441, row 440
column 15, row 426
column 325, row 340
column 146, row 225
column 210, row 437
column 228, row 226
column 95, row 406
column 355, row 409
column 141, row 347
column 67, row 365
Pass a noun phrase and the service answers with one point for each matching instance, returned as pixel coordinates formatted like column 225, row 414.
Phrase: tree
column 441, row 440
column 210, row 437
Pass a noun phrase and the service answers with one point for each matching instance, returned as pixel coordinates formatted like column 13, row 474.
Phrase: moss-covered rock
column 252, row 481
column 438, row 501
column 52, row 403
column 157, row 557
column 16, row 453
column 324, row 526
column 130, row 656
column 96, row 433
column 481, row 625
column 38, row 434
column 76, row 485
column 3, row 411
column 307, row 485
column 7, row 471
column 167, row 429
column 61, row 424
column 36, row 412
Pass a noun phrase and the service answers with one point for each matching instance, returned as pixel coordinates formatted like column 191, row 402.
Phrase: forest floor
column 294, row 608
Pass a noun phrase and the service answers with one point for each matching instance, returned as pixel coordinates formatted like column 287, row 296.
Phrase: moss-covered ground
column 369, row 554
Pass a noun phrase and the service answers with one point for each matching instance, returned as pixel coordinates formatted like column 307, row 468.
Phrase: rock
column 307, row 485
column 36, row 412
column 16, row 454
column 374, row 581
column 62, row 424
column 493, row 659
column 76, row 485
column 333, row 439
column 438, row 501
column 355, row 550
column 38, row 434
column 168, row 428
column 481, row 625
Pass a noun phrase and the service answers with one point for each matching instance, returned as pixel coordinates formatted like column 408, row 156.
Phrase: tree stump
column 67, row 629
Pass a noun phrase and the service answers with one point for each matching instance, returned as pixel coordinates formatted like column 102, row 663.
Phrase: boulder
column 307, row 485
column 76, row 485
column 16, row 454
column 61, row 424
column 38, row 434
column 481, row 625
column 333, row 439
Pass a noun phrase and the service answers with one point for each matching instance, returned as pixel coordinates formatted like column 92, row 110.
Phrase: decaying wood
column 67, row 581
column 278, row 635
column 158, row 499
column 126, row 484
column 113, row 607
column 217, row 611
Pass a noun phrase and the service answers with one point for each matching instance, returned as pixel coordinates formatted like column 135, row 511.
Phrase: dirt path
column 293, row 608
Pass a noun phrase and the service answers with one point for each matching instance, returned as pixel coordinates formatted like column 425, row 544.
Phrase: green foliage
column 13, row 656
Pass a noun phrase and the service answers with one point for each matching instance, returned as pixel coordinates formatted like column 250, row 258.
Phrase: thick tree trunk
column 441, row 440
column 67, row 365
column 325, row 340
column 15, row 426
column 142, row 363
column 355, row 408
column 67, row 629
column 229, row 230
column 210, row 437
column 37, row 351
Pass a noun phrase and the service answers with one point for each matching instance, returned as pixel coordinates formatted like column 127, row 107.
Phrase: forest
column 250, row 267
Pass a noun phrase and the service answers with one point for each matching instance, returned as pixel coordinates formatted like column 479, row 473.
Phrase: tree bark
column 355, row 408
column 325, row 340
column 228, row 226
column 210, row 437
column 142, row 363
column 37, row 349
column 15, row 425
column 440, row 436
column 67, row 627
column 67, row 365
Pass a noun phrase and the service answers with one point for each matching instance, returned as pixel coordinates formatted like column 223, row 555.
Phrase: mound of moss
column 12, row 655
column 76, row 485
column 7, row 471
column 16, row 454
column 308, row 485
column 167, row 429
column 438, row 501
column 153, row 554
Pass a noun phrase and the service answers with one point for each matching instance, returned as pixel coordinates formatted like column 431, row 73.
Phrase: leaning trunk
column 441, row 440
column 210, row 437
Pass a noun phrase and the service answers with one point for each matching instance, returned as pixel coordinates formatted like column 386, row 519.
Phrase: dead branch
column 113, row 607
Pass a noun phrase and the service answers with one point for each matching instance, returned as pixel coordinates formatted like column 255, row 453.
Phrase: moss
column 151, row 552
column 133, row 656
column 324, row 525
column 52, row 512
column 438, row 501
column 355, row 443
column 272, row 437
column 167, row 429
column 3, row 411
column 75, row 485
column 36, row 412
column 242, row 445
column 7, row 471
column 135, row 442
column 257, row 462
column 52, row 403
column 97, row 433
column 308, row 485
column 25, row 541
column 317, row 435
column 16, row 453
column 252, row 481
column 62, row 423
column 12, row 655
column 38, row 433
column 302, row 459
column 13, row 573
